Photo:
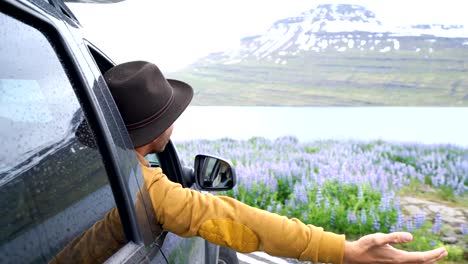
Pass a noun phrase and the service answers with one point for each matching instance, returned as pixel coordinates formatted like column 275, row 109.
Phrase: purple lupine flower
column 437, row 226
column 387, row 222
column 336, row 202
column 360, row 193
column 305, row 217
column 396, row 182
column 464, row 229
column 419, row 220
column 326, row 203
column 384, row 203
column 278, row 208
column 375, row 219
column 318, row 197
column 396, row 203
column 363, row 217
column 292, row 204
column 300, row 193
column 269, row 208
column 433, row 243
column 332, row 217
column 347, row 163
column 270, row 182
column 400, row 221
column 351, row 217
column 409, row 224
column 376, row 224
column 392, row 229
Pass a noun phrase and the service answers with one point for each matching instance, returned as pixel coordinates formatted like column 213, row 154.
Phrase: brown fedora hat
column 148, row 102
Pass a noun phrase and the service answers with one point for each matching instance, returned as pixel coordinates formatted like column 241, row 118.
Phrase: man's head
column 148, row 102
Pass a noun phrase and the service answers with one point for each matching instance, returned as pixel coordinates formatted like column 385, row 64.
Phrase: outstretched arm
column 376, row 248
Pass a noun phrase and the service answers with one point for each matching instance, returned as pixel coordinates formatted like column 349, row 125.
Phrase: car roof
column 94, row 1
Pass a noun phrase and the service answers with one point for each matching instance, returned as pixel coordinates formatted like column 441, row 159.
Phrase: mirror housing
column 214, row 173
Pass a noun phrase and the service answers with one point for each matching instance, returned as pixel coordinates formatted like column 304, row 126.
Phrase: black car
column 66, row 158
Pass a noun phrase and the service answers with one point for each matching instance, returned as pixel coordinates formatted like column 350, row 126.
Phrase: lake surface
column 428, row 125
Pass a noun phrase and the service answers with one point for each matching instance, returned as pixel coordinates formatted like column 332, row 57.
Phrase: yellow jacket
column 228, row 222
column 218, row 219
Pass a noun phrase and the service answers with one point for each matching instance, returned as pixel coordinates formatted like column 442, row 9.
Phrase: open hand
column 376, row 248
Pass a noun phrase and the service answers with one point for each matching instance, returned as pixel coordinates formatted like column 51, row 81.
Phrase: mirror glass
column 214, row 173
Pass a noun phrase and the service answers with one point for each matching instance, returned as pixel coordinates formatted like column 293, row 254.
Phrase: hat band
column 153, row 117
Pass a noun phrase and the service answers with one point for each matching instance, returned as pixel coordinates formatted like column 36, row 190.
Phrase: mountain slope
column 337, row 55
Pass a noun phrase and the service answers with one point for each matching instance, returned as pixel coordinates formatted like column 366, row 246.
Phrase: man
column 149, row 105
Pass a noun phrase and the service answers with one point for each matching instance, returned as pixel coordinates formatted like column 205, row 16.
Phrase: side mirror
column 213, row 173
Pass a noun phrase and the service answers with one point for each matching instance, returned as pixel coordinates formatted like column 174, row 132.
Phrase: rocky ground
column 452, row 219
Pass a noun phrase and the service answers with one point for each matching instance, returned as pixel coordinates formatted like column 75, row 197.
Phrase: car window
column 53, row 183
column 153, row 160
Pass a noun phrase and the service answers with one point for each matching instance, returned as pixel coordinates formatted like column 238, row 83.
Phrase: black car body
column 55, row 183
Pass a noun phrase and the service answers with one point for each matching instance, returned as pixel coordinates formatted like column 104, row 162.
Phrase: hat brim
column 183, row 94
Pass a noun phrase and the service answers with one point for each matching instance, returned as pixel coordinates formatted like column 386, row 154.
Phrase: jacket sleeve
column 228, row 222
column 96, row 244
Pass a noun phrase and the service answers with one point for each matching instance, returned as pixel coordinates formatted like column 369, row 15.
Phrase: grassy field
column 330, row 78
column 350, row 187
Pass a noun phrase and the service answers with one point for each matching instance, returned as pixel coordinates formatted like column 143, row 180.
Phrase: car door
column 57, row 182
column 67, row 170
column 54, row 188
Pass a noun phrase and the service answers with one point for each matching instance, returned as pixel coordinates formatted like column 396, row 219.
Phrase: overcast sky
column 173, row 33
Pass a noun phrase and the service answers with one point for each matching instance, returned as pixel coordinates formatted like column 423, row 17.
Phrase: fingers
column 392, row 238
column 430, row 256
column 378, row 246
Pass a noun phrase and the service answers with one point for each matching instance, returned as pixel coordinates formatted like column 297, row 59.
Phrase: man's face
column 159, row 144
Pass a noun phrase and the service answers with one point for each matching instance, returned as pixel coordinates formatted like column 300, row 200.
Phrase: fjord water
column 426, row 125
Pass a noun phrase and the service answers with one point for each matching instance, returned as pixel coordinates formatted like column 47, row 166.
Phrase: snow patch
column 386, row 49
column 396, row 44
column 323, row 44
column 232, row 62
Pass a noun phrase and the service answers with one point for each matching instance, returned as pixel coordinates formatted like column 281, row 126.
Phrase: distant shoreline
column 420, row 125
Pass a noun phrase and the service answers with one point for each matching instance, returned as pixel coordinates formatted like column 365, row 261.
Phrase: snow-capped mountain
column 341, row 28
column 337, row 55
